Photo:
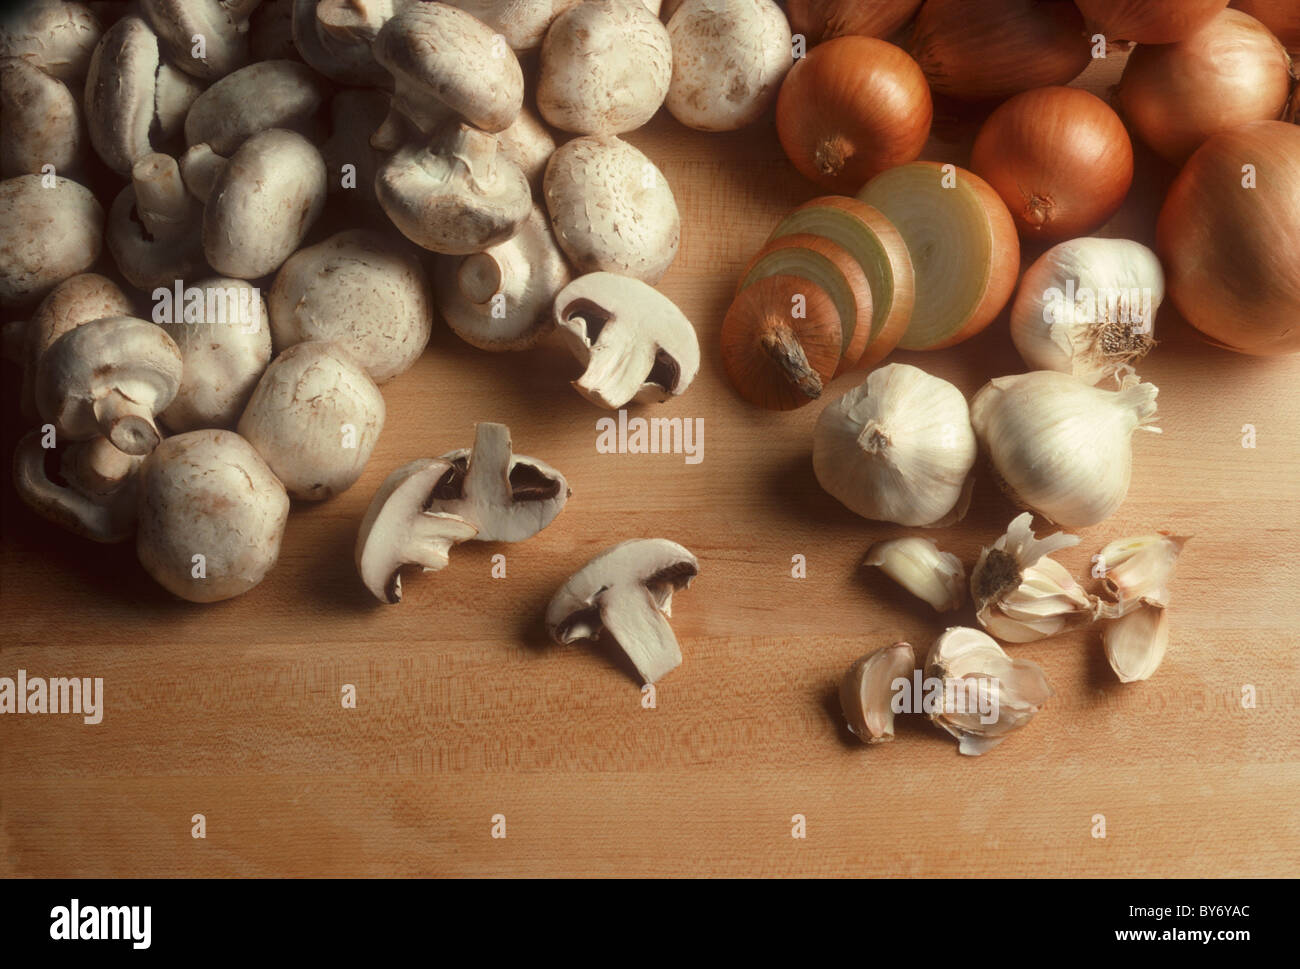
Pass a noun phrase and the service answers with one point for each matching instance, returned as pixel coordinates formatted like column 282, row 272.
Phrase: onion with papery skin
column 963, row 243
column 781, row 342
column 1282, row 17
column 996, row 48
column 880, row 250
column 832, row 268
column 853, row 107
column 1231, row 253
column 820, row 20
column 1150, row 21
column 1229, row 72
column 1059, row 157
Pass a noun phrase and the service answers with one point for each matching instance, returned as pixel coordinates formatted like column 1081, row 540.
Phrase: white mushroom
column 211, row 516
column 729, row 57
column 46, row 235
column 606, row 67
column 457, row 196
column 361, row 290
column 502, row 298
column 315, row 417
column 222, row 25
column 627, row 591
column 523, row 23
column 634, row 342
column 446, row 65
column 612, row 208
column 335, row 37
column 98, row 500
column 269, row 94
column 225, row 345
column 40, row 123
column 399, row 529
column 56, row 37
column 262, row 204
column 109, row 377
column 528, row 144
column 155, row 228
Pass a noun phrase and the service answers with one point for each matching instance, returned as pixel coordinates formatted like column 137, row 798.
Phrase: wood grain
column 466, row 710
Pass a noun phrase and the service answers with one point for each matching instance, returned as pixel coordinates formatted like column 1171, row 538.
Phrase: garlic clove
column 1138, row 570
column 919, row 567
column 867, row 691
column 1136, row 643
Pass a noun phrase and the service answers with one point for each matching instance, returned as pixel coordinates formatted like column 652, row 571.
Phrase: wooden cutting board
column 466, row 712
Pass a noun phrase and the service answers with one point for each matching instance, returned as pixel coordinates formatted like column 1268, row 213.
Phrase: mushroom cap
column 225, row 348
column 344, row 56
column 525, row 271
column 399, row 529
column 223, row 26
column 145, row 260
column 209, row 493
column 364, row 291
column 523, row 23
column 728, row 61
column 264, row 201
column 46, row 235
column 606, row 67
column 446, row 62
column 528, row 144
column 40, row 123
column 315, row 416
column 56, row 37
column 268, row 94
column 457, row 196
column 634, row 342
column 108, row 518
column 612, row 209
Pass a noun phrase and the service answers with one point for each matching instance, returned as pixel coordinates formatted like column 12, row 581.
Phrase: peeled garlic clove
column 986, row 693
column 1138, row 569
column 919, row 567
column 867, row 692
column 898, row 447
column 1136, row 643
column 1062, row 448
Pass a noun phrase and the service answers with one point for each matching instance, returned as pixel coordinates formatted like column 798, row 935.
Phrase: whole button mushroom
column 269, row 94
column 222, row 25
column 154, row 226
column 612, row 209
column 360, row 290
column 315, row 417
column 135, row 102
column 262, row 204
column 211, row 516
column 446, row 65
column 109, row 377
column 225, row 346
column 47, row 234
column 458, row 195
column 40, row 123
column 606, row 67
column 56, row 37
column 335, row 38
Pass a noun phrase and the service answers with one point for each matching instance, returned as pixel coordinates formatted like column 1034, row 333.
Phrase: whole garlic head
column 898, row 447
column 1087, row 307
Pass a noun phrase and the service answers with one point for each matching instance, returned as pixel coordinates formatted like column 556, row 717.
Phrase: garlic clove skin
column 1062, row 448
column 1087, row 307
column 1138, row 570
column 1136, row 643
column 898, row 447
column 919, row 567
column 867, row 691
column 970, row 662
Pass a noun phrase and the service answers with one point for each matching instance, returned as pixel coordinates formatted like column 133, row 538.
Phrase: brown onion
column 853, row 107
column 1229, row 238
column 1231, row 71
column 1059, row 157
column 1280, row 16
column 1150, row 21
column 996, row 48
column 820, row 20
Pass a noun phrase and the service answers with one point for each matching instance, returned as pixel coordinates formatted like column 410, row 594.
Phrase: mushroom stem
column 474, row 149
column 128, row 424
column 480, row 277
column 160, row 197
column 781, row 344
column 97, row 468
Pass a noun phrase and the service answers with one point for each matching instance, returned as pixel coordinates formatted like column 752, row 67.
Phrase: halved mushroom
column 612, row 208
column 268, row 94
column 400, row 529
column 49, row 234
column 446, row 65
column 56, row 37
column 155, row 227
column 501, row 298
column 40, row 122
column 98, row 500
column 109, row 377
column 459, row 195
column 627, row 591
column 223, row 25
column 635, row 343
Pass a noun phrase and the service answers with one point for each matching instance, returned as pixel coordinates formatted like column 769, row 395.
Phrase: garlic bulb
column 1087, row 307
column 898, row 447
column 1022, row 595
column 1138, row 570
column 867, row 692
column 1063, row 448
column 1136, row 643
column 986, row 693
column 919, row 567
